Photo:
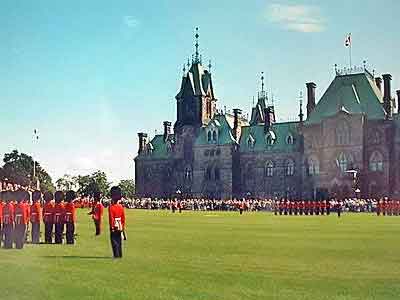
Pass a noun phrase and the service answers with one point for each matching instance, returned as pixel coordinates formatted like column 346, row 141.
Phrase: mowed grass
column 215, row 255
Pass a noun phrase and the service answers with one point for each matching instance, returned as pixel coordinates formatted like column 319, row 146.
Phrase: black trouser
column 97, row 225
column 328, row 211
column 70, row 231
column 48, row 231
column 1, row 234
column 241, row 210
column 35, row 233
column 116, row 243
column 339, row 211
column 8, row 231
column 19, row 235
column 58, row 233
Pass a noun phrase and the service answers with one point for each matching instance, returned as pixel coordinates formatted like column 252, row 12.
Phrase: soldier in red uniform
column 179, row 205
column 35, row 216
column 97, row 212
column 21, row 218
column 70, row 217
column 48, row 217
column 323, row 207
column 301, row 207
column 1, row 216
column 328, row 207
column 8, row 220
column 59, row 217
column 281, row 207
column 116, row 218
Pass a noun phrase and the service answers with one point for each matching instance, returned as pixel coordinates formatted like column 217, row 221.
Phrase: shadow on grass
column 77, row 257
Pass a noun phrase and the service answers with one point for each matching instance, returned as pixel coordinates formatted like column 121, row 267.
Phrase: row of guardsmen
column 17, row 210
column 289, row 207
column 386, row 207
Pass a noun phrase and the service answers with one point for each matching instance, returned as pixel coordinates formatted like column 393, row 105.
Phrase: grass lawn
column 211, row 255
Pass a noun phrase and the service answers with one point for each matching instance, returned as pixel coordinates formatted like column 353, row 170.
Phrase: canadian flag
column 347, row 41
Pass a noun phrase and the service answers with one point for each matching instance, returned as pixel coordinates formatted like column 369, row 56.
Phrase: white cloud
column 296, row 17
column 131, row 21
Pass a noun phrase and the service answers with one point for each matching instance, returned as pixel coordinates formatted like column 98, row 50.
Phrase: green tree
column 127, row 187
column 96, row 182
column 67, row 182
column 18, row 168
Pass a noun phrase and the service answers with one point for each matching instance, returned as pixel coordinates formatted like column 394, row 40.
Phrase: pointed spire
column 301, row 115
column 209, row 66
column 196, row 57
column 184, row 70
column 188, row 63
column 262, row 82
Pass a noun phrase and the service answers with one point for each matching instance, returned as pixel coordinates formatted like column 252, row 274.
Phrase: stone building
column 348, row 142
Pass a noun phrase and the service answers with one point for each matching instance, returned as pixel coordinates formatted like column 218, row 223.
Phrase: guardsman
column 301, row 207
column 241, row 207
column 21, row 218
column 285, row 207
column 306, row 207
column 70, row 217
column 297, row 207
column 1, row 215
column 179, row 205
column 384, row 207
column 173, row 205
column 281, row 206
column 275, row 206
column 97, row 212
column 379, row 207
column 48, row 217
column 397, row 207
column 8, row 220
column 323, row 207
column 59, row 217
column 35, row 216
column 116, row 218
column 339, row 208
column 312, row 207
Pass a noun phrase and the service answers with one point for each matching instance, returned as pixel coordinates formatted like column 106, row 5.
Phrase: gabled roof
column 197, row 80
column 257, row 112
column 223, row 124
column 354, row 94
column 159, row 147
column 278, row 131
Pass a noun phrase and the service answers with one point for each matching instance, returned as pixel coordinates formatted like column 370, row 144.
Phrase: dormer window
column 270, row 138
column 251, row 142
column 289, row 140
column 209, row 136
column 214, row 136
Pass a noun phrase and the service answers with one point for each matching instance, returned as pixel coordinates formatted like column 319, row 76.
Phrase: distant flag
column 347, row 42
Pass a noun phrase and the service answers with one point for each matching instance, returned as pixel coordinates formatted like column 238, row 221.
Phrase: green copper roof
column 279, row 133
column 221, row 123
column 159, row 148
column 354, row 94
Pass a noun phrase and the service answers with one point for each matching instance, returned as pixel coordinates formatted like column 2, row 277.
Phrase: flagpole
column 350, row 49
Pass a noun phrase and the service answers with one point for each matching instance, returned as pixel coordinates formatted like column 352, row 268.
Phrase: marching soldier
column 70, row 217
column 97, row 212
column 21, row 218
column 35, row 216
column 48, row 217
column 59, row 215
column 116, row 217
column 8, row 220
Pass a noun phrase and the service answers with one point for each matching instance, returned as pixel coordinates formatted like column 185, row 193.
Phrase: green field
column 210, row 255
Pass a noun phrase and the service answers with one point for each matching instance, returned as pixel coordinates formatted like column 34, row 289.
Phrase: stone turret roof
column 197, row 80
column 354, row 94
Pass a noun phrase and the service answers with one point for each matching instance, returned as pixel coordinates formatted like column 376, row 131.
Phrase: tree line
column 18, row 168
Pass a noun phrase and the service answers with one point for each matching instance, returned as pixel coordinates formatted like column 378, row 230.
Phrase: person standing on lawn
column 116, row 218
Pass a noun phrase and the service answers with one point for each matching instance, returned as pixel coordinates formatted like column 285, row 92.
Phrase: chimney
column 267, row 123
column 310, row 97
column 142, row 141
column 236, row 126
column 398, row 101
column 387, row 96
column 378, row 82
column 167, row 129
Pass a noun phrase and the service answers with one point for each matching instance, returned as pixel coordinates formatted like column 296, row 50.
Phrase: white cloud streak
column 301, row 18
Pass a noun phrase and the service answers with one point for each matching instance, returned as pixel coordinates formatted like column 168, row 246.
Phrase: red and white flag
column 347, row 41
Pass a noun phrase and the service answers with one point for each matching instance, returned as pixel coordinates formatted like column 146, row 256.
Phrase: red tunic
column 21, row 214
column 59, row 213
column 48, row 212
column 36, row 212
column 97, row 212
column 8, row 214
column 116, row 217
column 1, row 212
column 70, row 213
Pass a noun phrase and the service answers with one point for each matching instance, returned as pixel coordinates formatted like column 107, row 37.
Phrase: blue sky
column 89, row 75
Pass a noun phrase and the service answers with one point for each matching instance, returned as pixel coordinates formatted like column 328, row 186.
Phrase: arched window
column 214, row 136
column 188, row 174
column 209, row 136
column 375, row 137
column 289, row 140
column 208, row 173
column 269, row 169
column 344, row 162
column 216, row 173
column 289, row 167
column 376, row 161
column 343, row 134
column 313, row 166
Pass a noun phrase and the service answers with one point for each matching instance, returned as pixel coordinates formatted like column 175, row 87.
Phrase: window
column 313, row 166
column 289, row 140
column 342, row 134
column 344, row 162
column 375, row 137
column 188, row 174
column 251, row 142
column 376, row 162
column 209, row 136
column 216, row 174
column 208, row 173
column 269, row 169
column 289, row 167
column 214, row 136
column 270, row 138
